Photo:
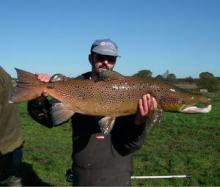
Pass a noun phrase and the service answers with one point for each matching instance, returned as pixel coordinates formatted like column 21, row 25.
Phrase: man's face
column 101, row 63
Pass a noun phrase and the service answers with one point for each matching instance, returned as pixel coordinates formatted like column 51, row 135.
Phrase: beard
column 102, row 68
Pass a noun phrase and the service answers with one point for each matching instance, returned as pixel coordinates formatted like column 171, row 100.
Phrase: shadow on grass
column 29, row 177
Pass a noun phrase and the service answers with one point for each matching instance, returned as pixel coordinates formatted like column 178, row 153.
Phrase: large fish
column 112, row 95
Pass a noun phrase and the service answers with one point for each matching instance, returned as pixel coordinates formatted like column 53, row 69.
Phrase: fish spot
column 124, row 86
column 172, row 90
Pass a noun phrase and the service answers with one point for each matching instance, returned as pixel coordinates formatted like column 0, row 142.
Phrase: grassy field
column 181, row 144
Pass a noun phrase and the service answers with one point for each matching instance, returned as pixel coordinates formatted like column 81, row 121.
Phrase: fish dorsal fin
column 60, row 113
column 106, row 124
column 110, row 75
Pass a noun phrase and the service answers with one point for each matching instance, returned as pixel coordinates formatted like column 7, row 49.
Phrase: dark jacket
column 10, row 135
column 101, row 160
column 10, row 127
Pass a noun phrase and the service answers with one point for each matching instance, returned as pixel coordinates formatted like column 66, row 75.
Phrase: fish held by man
column 112, row 95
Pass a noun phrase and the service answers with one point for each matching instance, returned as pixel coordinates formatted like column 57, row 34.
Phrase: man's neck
column 94, row 75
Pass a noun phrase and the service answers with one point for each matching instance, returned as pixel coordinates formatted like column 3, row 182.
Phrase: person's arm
column 1, row 95
column 39, row 109
column 129, row 132
column 5, row 88
column 126, row 136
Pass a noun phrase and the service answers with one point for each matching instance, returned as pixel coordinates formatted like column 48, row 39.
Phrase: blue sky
column 54, row 36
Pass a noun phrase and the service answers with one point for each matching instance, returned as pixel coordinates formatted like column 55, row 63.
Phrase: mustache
column 104, row 66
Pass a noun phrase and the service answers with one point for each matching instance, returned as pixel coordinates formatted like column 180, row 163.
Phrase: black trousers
column 100, row 177
column 10, row 164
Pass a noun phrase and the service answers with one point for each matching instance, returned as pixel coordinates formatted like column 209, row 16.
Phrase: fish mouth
column 195, row 109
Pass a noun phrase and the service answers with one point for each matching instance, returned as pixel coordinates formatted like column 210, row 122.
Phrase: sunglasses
column 101, row 58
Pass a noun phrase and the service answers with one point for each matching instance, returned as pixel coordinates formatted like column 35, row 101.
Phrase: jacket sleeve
column 39, row 109
column 126, row 136
column 1, row 95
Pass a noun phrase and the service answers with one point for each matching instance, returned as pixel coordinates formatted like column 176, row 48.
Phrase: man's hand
column 44, row 78
column 146, row 105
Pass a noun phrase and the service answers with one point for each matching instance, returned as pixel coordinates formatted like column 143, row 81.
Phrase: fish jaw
column 195, row 109
column 197, row 104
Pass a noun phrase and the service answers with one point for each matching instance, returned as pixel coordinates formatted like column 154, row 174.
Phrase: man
column 10, row 135
column 98, row 159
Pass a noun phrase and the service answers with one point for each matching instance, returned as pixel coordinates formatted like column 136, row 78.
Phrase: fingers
column 45, row 93
column 154, row 103
column 43, row 77
column 140, row 107
column 147, row 104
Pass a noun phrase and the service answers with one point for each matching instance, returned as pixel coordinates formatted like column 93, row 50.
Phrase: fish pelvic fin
column 106, row 124
column 154, row 119
column 60, row 113
column 27, row 87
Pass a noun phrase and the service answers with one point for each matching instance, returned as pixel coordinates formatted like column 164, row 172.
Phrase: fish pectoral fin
column 60, row 113
column 106, row 124
column 109, row 75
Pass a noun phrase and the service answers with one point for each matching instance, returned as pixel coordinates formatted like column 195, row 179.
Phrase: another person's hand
column 44, row 78
column 146, row 105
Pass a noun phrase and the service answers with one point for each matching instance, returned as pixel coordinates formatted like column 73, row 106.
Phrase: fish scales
column 113, row 97
column 99, row 98
column 108, row 97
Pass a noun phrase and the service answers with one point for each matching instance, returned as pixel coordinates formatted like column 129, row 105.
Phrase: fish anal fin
column 106, row 124
column 60, row 113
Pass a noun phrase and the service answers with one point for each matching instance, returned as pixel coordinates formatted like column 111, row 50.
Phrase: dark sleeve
column 126, row 136
column 1, row 91
column 39, row 110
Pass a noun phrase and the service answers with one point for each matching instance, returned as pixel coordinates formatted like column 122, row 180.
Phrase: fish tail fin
column 27, row 87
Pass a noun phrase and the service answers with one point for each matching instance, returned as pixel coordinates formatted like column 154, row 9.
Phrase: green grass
column 47, row 152
column 181, row 144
